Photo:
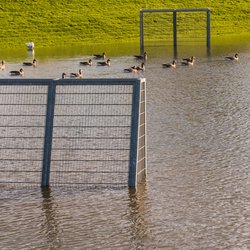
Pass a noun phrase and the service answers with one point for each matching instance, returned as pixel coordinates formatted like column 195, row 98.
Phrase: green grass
column 69, row 22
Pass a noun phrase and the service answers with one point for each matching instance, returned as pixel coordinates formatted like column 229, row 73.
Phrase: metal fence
column 176, row 26
column 73, row 132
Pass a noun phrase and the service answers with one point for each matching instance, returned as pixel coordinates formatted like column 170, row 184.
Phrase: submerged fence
column 88, row 132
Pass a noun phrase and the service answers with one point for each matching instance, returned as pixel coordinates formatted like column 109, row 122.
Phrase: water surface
column 197, row 191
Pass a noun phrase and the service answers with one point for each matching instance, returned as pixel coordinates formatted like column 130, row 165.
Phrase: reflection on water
column 50, row 226
column 138, row 216
column 197, row 192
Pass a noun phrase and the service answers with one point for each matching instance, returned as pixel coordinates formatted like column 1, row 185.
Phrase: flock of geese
column 104, row 62
column 19, row 72
column 107, row 62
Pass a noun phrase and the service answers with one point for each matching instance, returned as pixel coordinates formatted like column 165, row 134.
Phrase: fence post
column 175, row 29
column 134, row 135
column 208, row 30
column 141, row 32
column 48, row 133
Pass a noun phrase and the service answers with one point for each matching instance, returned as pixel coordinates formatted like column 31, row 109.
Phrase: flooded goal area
column 72, row 132
column 175, row 26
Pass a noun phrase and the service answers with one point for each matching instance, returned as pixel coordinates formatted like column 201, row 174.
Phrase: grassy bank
column 65, row 22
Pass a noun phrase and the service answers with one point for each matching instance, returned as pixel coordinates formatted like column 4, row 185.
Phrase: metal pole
column 141, row 33
column 175, row 29
column 208, row 30
column 142, row 137
column 48, row 134
column 132, row 178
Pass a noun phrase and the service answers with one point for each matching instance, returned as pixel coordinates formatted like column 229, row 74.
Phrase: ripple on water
column 197, row 192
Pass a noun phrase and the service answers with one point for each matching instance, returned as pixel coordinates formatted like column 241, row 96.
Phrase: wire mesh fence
column 91, row 127
column 22, row 121
column 94, row 140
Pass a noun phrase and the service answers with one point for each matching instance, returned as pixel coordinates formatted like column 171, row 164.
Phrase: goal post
column 175, row 23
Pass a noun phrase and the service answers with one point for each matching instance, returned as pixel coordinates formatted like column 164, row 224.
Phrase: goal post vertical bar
column 141, row 32
column 208, row 30
column 175, row 29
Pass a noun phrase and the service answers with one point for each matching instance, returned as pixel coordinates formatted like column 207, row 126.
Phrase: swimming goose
column 106, row 63
column 188, row 62
column 17, row 72
column 169, row 65
column 142, row 57
column 141, row 68
column 88, row 63
column 2, row 65
column 33, row 63
column 190, row 59
column 233, row 58
column 132, row 69
column 77, row 75
column 102, row 56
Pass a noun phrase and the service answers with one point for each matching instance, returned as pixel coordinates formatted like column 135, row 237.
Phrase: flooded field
column 198, row 133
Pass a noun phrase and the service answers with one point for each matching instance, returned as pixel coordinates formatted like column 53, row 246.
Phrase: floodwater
column 197, row 192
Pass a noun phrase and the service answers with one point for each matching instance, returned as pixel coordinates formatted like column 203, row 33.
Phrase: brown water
column 197, row 191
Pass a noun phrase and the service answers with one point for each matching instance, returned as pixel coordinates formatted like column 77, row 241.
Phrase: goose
column 132, row 69
column 2, row 65
column 88, row 63
column 190, row 59
column 98, row 56
column 142, row 57
column 64, row 75
column 33, row 63
column 188, row 62
column 106, row 63
column 17, row 72
column 233, row 58
column 170, row 65
column 77, row 75
column 141, row 68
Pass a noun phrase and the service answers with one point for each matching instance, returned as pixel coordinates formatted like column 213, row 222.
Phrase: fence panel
column 72, row 132
column 22, row 123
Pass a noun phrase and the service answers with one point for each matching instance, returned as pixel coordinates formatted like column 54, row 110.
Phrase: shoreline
column 226, row 39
